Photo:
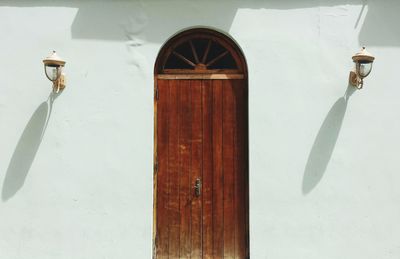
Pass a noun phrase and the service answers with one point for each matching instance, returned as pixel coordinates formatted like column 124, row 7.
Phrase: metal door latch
column 197, row 187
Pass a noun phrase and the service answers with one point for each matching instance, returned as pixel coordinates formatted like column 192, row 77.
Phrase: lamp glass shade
column 53, row 72
column 364, row 68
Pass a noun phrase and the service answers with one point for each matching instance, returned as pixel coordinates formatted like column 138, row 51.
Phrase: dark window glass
column 215, row 50
column 173, row 62
column 200, row 45
column 185, row 50
column 226, row 62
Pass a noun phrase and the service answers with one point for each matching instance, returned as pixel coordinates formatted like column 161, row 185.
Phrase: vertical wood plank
column 196, row 168
column 185, row 190
column 174, row 167
column 202, row 132
column 218, row 177
column 162, row 174
column 207, row 197
column 229, row 124
column 240, row 168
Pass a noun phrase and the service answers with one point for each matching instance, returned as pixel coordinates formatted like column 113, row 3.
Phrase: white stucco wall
column 76, row 172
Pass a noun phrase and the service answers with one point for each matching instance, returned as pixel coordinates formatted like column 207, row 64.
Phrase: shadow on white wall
column 26, row 149
column 324, row 143
column 155, row 21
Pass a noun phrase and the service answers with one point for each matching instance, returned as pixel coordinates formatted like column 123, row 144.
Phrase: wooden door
column 201, row 166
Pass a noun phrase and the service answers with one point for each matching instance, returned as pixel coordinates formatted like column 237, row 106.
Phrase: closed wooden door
column 201, row 172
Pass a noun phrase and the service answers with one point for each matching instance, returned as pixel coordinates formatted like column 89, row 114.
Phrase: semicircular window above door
column 201, row 53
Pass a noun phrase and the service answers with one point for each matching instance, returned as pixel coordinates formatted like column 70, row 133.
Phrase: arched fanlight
column 53, row 66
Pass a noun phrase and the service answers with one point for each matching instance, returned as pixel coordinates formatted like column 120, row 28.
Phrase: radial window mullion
column 184, row 59
column 196, row 58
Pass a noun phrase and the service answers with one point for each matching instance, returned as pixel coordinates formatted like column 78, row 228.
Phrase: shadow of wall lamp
column 363, row 61
column 53, row 66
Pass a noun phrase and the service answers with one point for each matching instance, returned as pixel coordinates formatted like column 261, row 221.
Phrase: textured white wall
column 76, row 169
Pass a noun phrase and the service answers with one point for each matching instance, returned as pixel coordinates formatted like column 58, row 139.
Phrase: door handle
column 197, row 187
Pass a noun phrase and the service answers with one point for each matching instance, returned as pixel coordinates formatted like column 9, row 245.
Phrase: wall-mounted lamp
column 363, row 61
column 53, row 66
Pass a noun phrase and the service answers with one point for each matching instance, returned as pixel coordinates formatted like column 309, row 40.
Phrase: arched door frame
column 161, row 72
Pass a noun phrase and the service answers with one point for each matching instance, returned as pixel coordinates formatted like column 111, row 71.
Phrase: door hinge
column 156, row 94
column 156, row 166
column 155, row 247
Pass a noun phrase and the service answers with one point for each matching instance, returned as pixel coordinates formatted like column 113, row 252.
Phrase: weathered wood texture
column 202, row 134
column 173, row 76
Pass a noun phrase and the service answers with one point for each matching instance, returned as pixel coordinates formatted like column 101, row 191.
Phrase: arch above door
column 200, row 51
